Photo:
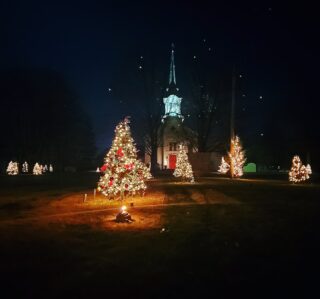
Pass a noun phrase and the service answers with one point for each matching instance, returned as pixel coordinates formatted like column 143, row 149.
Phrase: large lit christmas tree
column 122, row 172
column 183, row 166
column 12, row 168
column 298, row 172
column 236, row 159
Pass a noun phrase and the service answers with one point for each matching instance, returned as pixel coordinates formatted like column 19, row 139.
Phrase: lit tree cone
column 298, row 172
column 37, row 169
column 25, row 167
column 12, row 168
column 224, row 167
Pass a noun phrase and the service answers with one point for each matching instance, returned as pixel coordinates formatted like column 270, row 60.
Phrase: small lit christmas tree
column 183, row 166
column 37, row 169
column 236, row 159
column 50, row 168
column 224, row 167
column 298, row 172
column 122, row 172
column 25, row 167
column 12, row 168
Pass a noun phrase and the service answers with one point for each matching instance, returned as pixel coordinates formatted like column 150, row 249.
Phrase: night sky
column 96, row 45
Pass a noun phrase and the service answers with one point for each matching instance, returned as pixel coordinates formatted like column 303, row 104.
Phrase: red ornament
column 104, row 168
column 129, row 166
column 110, row 183
column 120, row 152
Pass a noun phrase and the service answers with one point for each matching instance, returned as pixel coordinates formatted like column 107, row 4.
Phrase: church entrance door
column 172, row 161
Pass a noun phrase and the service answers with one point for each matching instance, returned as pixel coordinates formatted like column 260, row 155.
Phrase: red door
column 172, row 161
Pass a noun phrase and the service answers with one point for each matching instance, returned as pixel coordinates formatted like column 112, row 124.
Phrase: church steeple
column 172, row 101
column 172, row 74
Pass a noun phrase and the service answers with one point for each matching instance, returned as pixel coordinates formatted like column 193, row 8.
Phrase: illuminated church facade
column 172, row 130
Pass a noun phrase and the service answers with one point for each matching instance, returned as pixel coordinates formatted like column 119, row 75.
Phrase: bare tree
column 152, row 103
column 204, row 96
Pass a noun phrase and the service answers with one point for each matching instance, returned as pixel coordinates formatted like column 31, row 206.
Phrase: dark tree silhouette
column 153, row 106
column 44, row 121
column 208, row 95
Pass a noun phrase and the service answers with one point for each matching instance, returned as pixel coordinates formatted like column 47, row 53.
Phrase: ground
column 217, row 236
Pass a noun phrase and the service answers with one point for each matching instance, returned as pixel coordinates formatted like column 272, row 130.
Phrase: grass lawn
column 216, row 237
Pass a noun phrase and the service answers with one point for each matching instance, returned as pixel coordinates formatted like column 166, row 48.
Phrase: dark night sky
column 95, row 43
